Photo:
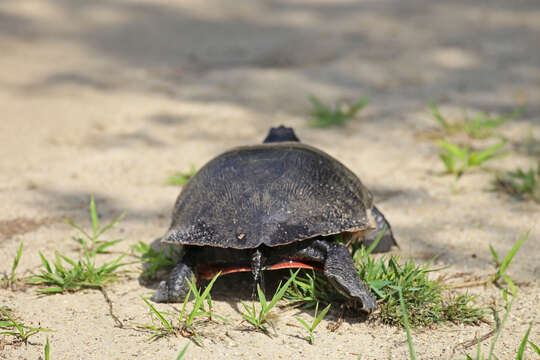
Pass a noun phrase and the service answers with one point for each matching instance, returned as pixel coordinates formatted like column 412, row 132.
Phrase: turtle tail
column 280, row 134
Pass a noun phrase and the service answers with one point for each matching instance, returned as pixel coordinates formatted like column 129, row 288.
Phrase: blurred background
column 112, row 97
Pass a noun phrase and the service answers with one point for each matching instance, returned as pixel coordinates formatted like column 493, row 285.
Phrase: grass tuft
column 502, row 266
column 153, row 260
column 9, row 326
column 92, row 241
column 8, row 281
column 481, row 126
column 259, row 319
column 162, row 326
column 337, row 115
column 316, row 320
column 182, row 177
column 458, row 159
column 522, row 184
column 74, row 276
column 71, row 275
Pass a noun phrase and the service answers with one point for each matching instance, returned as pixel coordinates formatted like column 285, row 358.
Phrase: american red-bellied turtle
column 271, row 206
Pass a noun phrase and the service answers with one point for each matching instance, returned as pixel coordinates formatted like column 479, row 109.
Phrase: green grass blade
column 183, row 352
column 495, row 256
column 281, row 291
column 186, row 300
column 376, row 242
column 262, row 297
column 45, row 262
column 68, row 260
column 250, row 316
column 480, row 157
column 74, row 225
column 319, row 318
column 199, row 299
column 308, row 328
column 110, row 225
column 47, row 350
column 498, row 333
column 406, row 322
column 511, row 285
column 94, row 216
column 357, row 107
column 510, row 256
column 51, row 290
column 161, row 318
column 16, row 262
column 437, row 115
column 523, row 344
column 18, row 326
column 102, row 247
column 535, row 348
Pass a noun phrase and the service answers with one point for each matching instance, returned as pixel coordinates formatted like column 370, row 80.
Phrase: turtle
column 271, row 206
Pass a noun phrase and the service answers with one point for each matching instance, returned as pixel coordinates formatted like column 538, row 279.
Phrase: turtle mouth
column 208, row 272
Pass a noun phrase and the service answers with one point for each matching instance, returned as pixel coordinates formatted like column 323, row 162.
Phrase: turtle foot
column 339, row 269
column 176, row 288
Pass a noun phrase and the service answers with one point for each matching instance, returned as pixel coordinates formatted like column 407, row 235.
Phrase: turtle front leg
column 176, row 287
column 340, row 271
column 338, row 268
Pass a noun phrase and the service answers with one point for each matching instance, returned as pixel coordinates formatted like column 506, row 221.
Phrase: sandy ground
column 110, row 97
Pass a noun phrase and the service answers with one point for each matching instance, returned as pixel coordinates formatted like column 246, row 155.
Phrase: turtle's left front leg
column 176, row 287
column 340, row 270
column 338, row 267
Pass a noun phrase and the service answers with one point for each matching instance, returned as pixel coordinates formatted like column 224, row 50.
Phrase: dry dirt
column 108, row 98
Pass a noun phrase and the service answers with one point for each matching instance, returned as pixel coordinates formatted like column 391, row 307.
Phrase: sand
column 108, row 98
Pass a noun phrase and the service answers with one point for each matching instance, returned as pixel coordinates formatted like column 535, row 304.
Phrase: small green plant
column 261, row 318
column 503, row 266
column 327, row 115
column 47, row 350
column 481, row 126
column 181, row 178
column 521, row 184
column 316, row 320
column 9, row 326
column 92, row 242
column 154, row 261
column 8, row 281
column 185, row 321
column 458, row 159
column 75, row 276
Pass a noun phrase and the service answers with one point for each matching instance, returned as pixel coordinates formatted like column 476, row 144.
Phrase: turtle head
column 280, row 134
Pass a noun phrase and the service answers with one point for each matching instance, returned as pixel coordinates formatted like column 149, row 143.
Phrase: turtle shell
column 272, row 194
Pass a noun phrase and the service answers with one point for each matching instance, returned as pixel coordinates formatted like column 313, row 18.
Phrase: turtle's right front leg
column 176, row 287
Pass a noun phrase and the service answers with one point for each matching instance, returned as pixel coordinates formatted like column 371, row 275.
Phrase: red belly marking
column 207, row 272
